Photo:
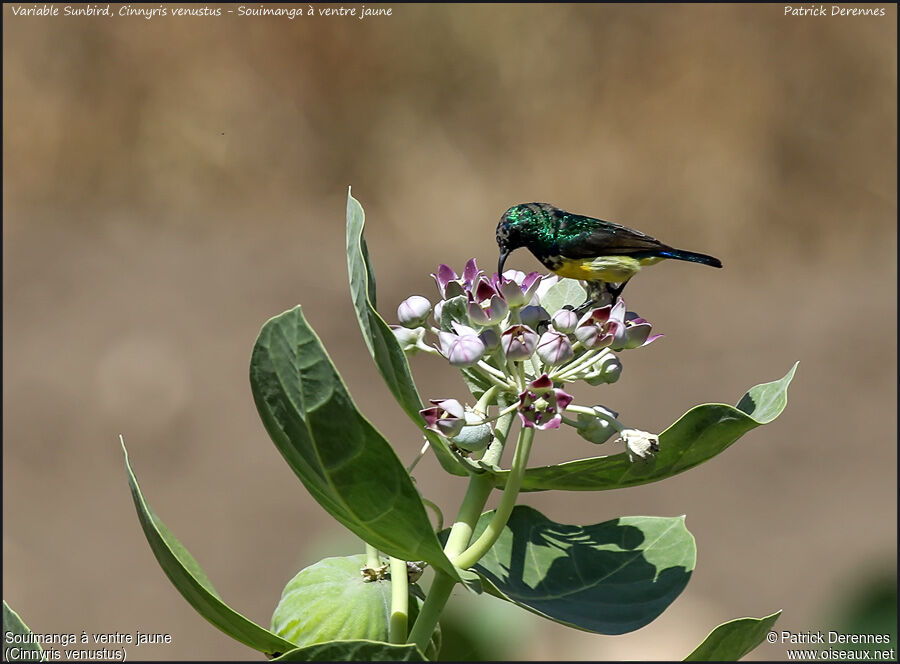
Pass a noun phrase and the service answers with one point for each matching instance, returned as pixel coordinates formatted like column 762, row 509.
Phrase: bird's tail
column 691, row 256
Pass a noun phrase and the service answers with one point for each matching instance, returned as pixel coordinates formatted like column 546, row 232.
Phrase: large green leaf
column 732, row 640
column 190, row 580
column 353, row 651
column 700, row 434
column 17, row 645
column 563, row 292
column 380, row 340
column 609, row 578
column 347, row 466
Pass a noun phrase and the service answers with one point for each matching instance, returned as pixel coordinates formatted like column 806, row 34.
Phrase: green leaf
column 610, row 578
column 766, row 401
column 563, row 292
column 353, row 651
column 18, row 648
column 732, row 640
column 347, row 466
column 455, row 310
column 190, row 580
column 700, row 434
column 389, row 357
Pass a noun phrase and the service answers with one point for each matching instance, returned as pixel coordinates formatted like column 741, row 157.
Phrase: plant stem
column 418, row 458
column 431, row 610
column 578, row 364
column 372, row 559
column 397, row 630
column 496, row 373
column 477, row 492
column 470, row 510
column 481, row 371
column 489, row 397
column 481, row 546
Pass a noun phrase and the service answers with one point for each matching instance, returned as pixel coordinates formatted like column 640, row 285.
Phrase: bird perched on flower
column 601, row 253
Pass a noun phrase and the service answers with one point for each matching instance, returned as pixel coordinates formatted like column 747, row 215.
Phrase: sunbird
column 604, row 254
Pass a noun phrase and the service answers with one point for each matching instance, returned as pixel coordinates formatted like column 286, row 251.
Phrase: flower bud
column 554, row 348
column 413, row 311
column 606, row 370
column 490, row 338
column 597, row 428
column 565, row 321
column 474, row 436
column 408, row 339
column 438, row 307
column 533, row 316
column 461, row 350
column 518, row 342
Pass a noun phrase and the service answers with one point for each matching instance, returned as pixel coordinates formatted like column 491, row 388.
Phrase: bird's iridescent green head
column 523, row 225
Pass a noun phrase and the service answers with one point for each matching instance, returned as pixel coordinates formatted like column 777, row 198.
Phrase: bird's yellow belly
column 611, row 269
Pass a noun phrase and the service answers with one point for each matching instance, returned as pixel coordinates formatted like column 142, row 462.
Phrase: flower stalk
column 399, row 624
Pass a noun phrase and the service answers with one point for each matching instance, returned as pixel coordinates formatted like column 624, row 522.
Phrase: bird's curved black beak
column 503, row 254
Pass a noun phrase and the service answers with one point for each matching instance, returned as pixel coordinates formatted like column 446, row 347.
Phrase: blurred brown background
column 170, row 184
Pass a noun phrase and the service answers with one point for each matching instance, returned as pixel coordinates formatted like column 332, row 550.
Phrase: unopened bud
column 554, row 348
column 413, row 311
column 474, row 436
column 607, row 370
column 597, row 428
column 533, row 316
column 565, row 321
column 408, row 339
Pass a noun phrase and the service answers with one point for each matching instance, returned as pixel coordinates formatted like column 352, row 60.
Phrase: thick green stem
column 579, row 364
column 489, row 397
column 477, row 493
column 481, row 546
column 372, row 559
column 470, row 510
column 484, row 373
column 399, row 601
column 431, row 610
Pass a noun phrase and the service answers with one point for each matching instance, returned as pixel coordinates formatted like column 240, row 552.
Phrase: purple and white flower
column 637, row 331
column 541, row 404
column 602, row 327
column 486, row 306
column 450, row 284
column 446, row 417
column 516, row 287
column 518, row 342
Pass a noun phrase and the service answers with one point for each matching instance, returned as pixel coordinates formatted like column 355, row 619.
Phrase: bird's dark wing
column 586, row 237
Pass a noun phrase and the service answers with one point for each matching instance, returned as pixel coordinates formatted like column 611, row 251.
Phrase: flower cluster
column 497, row 330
